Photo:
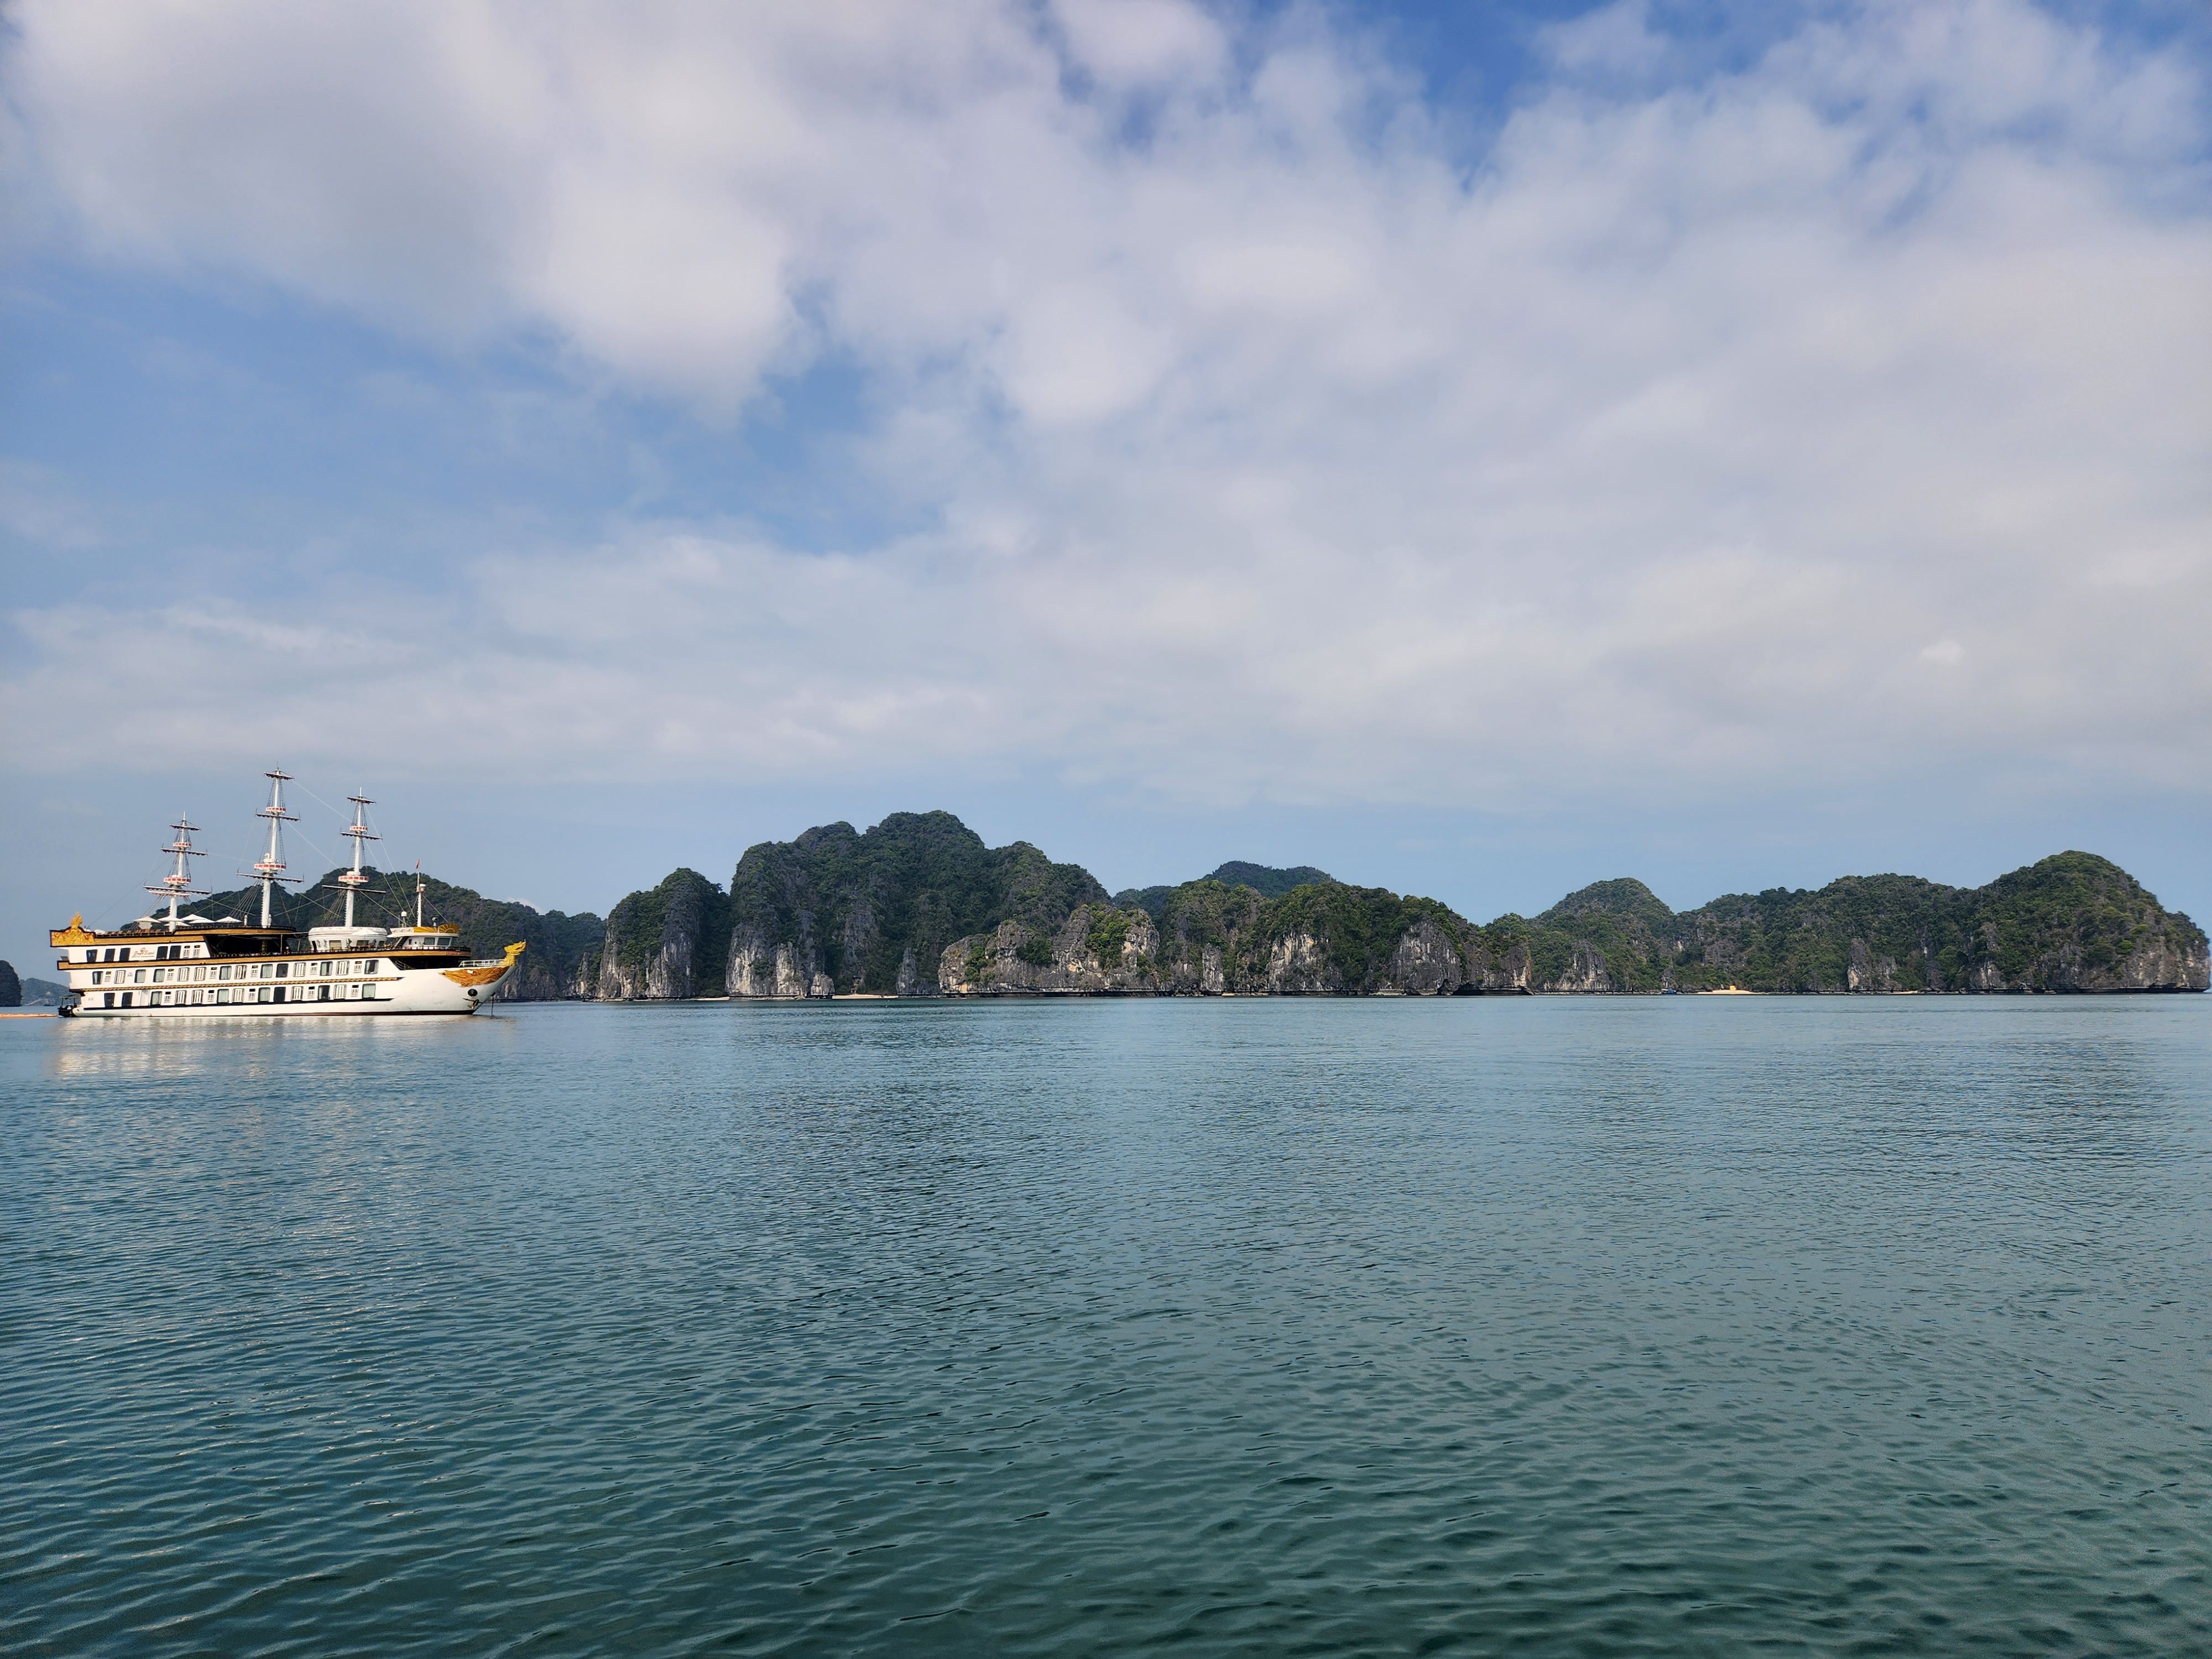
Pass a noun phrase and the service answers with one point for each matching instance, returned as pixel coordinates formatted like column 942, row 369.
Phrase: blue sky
column 1476, row 450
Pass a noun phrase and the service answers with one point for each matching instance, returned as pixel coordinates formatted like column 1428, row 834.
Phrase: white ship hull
column 416, row 991
column 187, row 977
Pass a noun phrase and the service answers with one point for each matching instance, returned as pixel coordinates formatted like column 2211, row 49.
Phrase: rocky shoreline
column 918, row 907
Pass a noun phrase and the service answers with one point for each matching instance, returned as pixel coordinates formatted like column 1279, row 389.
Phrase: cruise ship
column 185, row 966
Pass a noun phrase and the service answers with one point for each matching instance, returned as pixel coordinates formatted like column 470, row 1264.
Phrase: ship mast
column 270, row 870
column 178, row 883
column 353, row 881
column 418, row 896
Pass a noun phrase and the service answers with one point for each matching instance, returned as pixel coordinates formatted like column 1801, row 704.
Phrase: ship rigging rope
column 311, row 846
column 334, row 812
column 314, row 847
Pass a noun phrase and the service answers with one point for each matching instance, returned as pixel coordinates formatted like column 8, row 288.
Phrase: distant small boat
column 194, row 967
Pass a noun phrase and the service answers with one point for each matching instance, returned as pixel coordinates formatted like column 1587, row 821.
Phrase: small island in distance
column 919, row 906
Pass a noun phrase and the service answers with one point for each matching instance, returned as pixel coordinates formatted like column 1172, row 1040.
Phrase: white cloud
column 1616, row 40
column 1076, row 355
column 1273, row 453
column 1134, row 42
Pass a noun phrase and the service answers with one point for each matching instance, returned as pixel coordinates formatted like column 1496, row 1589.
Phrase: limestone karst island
column 919, row 906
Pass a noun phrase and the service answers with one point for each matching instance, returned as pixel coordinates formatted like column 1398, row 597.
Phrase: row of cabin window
column 161, row 953
column 206, row 973
column 242, row 993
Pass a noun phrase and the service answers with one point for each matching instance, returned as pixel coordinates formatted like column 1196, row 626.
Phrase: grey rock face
column 1513, row 971
column 1297, row 966
column 1586, row 972
column 1870, row 975
column 2158, row 964
column 782, row 969
column 1428, row 961
column 2162, row 965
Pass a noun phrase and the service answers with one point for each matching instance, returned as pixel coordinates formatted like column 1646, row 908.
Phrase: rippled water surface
column 1552, row 1327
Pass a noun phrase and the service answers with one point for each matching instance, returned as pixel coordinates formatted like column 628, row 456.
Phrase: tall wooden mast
column 270, row 870
column 353, row 881
column 178, row 883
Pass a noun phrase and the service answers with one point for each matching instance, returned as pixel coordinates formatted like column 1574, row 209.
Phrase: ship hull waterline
column 435, row 1005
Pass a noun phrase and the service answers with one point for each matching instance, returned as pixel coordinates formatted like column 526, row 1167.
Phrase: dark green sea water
column 1562, row 1327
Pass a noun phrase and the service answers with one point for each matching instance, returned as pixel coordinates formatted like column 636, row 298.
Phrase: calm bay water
column 1556, row 1327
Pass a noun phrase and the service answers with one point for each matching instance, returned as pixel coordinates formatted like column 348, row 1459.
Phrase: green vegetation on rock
column 561, row 959
column 876, row 912
column 1266, row 880
column 1108, row 933
column 2071, row 923
column 1358, row 928
column 667, row 942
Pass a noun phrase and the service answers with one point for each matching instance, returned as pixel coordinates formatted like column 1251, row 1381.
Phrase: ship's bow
column 477, row 981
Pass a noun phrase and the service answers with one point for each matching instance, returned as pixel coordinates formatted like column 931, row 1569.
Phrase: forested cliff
column 918, row 906
column 836, row 911
column 668, row 942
